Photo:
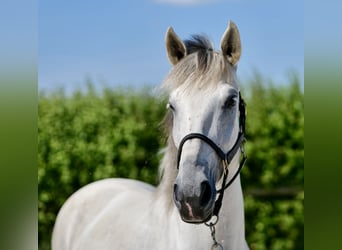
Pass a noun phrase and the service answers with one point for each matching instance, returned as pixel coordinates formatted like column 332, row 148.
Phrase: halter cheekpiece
column 226, row 158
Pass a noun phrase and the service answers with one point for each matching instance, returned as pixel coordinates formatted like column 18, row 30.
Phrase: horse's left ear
column 174, row 46
column 231, row 43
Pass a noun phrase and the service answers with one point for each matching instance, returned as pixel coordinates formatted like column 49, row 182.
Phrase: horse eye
column 230, row 102
column 169, row 106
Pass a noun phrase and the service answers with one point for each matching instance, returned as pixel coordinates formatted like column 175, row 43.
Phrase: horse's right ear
column 174, row 46
column 231, row 43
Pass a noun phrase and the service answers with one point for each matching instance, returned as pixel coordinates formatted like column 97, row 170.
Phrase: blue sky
column 121, row 43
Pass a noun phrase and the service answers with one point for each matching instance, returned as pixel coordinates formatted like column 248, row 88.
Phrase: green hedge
column 275, row 148
column 88, row 136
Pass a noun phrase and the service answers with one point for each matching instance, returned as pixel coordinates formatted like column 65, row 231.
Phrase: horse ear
column 174, row 46
column 231, row 43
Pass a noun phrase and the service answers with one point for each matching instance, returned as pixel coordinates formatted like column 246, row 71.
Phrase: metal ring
column 210, row 224
column 217, row 245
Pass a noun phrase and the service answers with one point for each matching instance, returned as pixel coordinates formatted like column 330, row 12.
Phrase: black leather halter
column 225, row 157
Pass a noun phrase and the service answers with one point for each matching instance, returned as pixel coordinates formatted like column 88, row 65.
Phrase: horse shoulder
column 95, row 208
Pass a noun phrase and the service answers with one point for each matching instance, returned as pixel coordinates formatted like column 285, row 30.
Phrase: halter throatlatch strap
column 226, row 158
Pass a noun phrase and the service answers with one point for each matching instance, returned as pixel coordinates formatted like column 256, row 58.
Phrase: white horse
column 187, row 210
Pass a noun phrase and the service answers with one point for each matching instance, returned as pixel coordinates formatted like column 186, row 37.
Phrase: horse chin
column 196, row 219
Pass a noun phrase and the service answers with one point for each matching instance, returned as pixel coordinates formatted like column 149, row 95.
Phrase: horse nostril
column 176, row 193
column 205, row 193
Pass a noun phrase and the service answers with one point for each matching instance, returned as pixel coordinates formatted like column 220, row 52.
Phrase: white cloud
column 186, row 2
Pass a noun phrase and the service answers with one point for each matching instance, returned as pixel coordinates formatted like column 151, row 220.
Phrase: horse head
column 204, row 100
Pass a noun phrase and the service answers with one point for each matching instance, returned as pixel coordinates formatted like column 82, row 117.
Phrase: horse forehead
column 187, row 95
column 200, row 98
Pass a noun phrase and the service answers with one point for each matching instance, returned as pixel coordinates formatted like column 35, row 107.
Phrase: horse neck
column 231, row 226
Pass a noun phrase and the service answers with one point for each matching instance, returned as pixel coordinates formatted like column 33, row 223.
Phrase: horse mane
column 202, row 66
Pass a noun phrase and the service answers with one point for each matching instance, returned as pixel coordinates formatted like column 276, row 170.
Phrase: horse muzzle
column 195, row 202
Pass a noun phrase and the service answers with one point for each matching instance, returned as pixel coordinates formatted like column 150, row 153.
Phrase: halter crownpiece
column 226, row 158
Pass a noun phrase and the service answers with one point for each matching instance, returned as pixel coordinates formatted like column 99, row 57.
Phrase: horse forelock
column 203, row 66
column 198, row 43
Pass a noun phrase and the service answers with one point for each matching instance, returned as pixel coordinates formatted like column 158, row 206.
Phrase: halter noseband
column 225, row 157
